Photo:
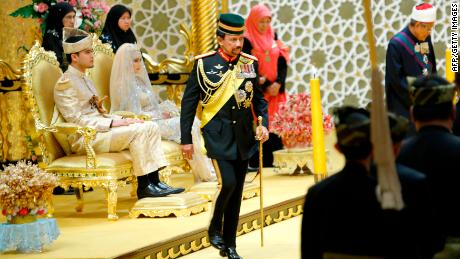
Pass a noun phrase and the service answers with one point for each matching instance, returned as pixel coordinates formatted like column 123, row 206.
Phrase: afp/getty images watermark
column 454, row 34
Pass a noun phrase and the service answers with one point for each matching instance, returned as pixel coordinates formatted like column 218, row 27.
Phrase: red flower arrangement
column 292, row 122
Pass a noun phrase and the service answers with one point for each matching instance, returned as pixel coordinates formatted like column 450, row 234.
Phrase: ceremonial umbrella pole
column 261, row 195
column 389, row 186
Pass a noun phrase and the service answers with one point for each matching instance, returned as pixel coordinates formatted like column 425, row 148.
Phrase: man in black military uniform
column 224, row 84
column 434, row 150
column 343, row 216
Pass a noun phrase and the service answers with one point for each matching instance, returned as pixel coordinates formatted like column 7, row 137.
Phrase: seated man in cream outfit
column 76, row 100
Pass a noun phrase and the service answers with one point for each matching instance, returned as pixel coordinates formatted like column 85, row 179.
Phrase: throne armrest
column 88, row 134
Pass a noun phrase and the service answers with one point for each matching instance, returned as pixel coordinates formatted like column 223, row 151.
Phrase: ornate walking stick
column 261, row 166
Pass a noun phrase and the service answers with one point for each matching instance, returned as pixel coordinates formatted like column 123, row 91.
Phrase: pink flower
column 23, row 211
column 60, row 1
column 86, row 12
column 73, row 3
column 292, row 122
column 97, row 24
column 41, row 7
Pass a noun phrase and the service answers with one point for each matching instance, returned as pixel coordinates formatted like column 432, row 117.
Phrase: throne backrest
column 41, row 72
column 100, row 73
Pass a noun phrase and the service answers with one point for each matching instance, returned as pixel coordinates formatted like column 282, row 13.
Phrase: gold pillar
column 204, row 25
column 15, row 119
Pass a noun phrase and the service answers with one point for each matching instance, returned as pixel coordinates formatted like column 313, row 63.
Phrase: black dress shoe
column 216, row 240
column 151, row 190
column 171, row 189
column 231, row 253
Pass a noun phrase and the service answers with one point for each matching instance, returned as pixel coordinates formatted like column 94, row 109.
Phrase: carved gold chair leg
column 79, row 195
column 134, row 187
column 112, row 197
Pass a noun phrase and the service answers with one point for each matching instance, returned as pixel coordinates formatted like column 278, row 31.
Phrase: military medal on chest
column 244, row 96
column 246, row 71
column 425, row 60
column 424, row 49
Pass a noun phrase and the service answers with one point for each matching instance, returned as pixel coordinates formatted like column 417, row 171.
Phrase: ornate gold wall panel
column 3, row 127
column 18, row 34
column 14, row 121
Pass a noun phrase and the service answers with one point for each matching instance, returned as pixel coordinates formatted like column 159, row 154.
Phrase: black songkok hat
column 352, row 126
column 430, row 90
column 399, row 126
column 230, row 23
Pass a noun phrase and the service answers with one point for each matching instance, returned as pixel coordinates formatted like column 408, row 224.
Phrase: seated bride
column 130, row 90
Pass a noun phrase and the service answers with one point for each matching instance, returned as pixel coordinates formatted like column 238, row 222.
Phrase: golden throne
column 100, row 75
column 107, row 170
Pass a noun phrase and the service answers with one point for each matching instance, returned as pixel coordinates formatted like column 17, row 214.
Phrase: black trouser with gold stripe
column 231, row 175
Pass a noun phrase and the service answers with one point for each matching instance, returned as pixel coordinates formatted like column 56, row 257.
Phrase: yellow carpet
column 281, row 241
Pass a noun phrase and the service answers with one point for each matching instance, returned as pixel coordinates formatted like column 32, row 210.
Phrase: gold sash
column 221, row 96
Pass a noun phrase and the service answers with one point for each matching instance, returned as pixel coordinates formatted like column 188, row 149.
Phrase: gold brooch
column 247, row 103
column 248, row 86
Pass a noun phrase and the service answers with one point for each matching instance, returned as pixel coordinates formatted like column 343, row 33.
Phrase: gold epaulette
column 249, row 56
column 205, row 55
column 63, row 83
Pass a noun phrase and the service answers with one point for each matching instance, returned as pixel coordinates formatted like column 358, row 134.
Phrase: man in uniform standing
column 77, row 102
column 224, row 84
column 410, row 53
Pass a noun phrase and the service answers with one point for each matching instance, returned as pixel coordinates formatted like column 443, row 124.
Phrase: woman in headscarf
column 262, row 42
column 117, row 27
column 60, row 15
column 130, row 90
